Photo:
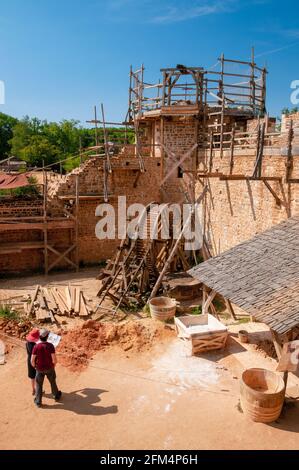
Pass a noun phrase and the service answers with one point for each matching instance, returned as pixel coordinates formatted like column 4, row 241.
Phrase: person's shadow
column 82, row 402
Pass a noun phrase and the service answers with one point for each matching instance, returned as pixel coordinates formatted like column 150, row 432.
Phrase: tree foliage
column 288, row 111
column 7, row 124
column 40, row 142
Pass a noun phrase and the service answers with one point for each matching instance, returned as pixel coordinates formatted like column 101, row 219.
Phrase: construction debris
column 46, row 303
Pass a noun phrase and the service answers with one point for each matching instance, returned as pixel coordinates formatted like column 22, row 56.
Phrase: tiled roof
column 260, row 275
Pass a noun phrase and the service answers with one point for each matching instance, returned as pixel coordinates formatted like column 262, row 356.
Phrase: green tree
column 37, row 141
column 7, row 124
column 31, row 143
column 38, row 151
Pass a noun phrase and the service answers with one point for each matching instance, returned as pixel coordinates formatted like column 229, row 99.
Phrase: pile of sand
column 78, row 346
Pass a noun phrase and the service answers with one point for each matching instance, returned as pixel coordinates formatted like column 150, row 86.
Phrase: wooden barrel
column 162, row 308
column 262, row 395
column 243, row 336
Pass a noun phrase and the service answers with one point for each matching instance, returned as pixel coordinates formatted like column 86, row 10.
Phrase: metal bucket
column 162, row 308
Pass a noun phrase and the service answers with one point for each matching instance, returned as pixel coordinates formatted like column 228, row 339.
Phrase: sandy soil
column 159, row 399
column 127, row 396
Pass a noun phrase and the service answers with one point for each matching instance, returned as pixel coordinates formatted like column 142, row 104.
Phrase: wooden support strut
column 289, row 162
column 174, row 160
column 109, row 169
column 279, row 201
column 278, row 350
column 62, row 256
column 207, row 303
column 257, row 171
column 231, row 163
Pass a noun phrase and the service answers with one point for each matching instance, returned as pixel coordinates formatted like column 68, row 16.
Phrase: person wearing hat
column 31, row 341
column 44, row 360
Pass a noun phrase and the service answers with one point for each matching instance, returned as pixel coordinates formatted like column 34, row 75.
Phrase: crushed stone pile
column 78, row 346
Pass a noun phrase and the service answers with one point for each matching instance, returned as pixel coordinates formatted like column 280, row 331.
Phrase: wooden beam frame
column 61, row 256
column 208, row 301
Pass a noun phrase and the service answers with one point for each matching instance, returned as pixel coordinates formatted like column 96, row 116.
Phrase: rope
column 213, row 66
column 127, row 374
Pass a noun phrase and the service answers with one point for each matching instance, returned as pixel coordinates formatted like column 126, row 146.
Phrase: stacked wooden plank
column 47, row 302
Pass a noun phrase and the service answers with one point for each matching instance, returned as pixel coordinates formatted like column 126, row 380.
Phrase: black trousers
column 40, row 377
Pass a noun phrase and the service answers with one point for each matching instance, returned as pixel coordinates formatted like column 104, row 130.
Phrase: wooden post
column 211, row 151
column 106, row 141
column 230, row 308
column 164, row 89
column 232, row 148
column 253, row 81
column 222, row 106
column 141, row 87
column 289, row 162
column 130, row 111
column 257, row 171
column 278, row 350
column 263, row 97
column 169, row 90
column 204, row 296
column 96, row 126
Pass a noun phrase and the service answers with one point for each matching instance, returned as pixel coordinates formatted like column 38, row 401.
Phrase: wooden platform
column 18, row 247
column 52, row 224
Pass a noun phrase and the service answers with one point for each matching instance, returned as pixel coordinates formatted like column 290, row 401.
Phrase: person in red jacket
column 31, row 341
column 43, row 359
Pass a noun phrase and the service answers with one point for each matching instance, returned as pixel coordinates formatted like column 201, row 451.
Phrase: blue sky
column 60, row 57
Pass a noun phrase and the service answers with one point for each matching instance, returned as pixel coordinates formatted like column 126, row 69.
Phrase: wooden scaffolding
column 45, row 224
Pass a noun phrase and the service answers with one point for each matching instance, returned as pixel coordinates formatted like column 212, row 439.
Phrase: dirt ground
column 142, row 398
column 158, row 399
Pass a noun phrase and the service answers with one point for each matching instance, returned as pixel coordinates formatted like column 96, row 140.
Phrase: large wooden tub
column 262, row 395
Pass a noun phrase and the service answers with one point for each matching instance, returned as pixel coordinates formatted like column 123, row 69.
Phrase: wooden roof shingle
column 260, row 275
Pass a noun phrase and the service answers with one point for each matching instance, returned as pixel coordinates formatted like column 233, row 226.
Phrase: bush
column 8, row 313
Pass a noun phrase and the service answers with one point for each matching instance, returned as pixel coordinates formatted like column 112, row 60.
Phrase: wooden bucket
column 262, row 395
column 243, row 336
column 162, row 308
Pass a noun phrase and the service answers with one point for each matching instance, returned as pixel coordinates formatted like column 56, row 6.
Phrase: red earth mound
column 78, row 346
